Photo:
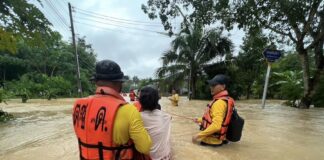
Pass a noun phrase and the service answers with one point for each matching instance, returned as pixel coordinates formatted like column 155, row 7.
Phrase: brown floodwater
column 42, row 130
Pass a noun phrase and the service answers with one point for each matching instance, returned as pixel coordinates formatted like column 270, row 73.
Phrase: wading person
column 215, row 121
column 106, row 126
column 174, row 98
column 157, row 124
column 136, row 103
column 132, row 95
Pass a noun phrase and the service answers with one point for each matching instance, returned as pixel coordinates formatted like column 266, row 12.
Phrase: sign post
column 271, row 56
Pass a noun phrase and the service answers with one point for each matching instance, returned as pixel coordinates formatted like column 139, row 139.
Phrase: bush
column 40, row 85
column 2, row 96
column 4, row 116
column 55, row 86
column 22, row 88
column 290, row 86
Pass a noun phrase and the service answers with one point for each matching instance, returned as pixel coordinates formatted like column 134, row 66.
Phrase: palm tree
column 189, row 53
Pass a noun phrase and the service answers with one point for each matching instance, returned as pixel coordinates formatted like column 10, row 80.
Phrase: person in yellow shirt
column 174, row 98
column 212, row 122
column 106, row 126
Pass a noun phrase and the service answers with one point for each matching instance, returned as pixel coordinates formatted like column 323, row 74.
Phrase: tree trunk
column 193, row 86
column 4, row 75
column 52, row 73
column 248, row 89
column 311, row 85
column 305, row 100
column 319, row 72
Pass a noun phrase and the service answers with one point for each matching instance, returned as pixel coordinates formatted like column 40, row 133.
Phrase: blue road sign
column 271, row 55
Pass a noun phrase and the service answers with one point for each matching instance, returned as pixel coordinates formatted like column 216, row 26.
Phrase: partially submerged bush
column 4, row 116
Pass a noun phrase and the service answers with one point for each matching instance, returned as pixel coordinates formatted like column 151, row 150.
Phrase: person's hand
column 195, row 139
column 195, row 120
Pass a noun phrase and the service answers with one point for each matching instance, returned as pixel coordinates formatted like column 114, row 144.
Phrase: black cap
column 218, row 79
column 108, row 70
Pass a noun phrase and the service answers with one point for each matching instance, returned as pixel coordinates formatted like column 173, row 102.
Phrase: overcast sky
column 136, row 51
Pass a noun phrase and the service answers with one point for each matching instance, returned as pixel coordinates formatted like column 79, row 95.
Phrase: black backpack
column 235, row 127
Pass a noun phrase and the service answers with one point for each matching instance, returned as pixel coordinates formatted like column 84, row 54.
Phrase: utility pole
column 76, row 53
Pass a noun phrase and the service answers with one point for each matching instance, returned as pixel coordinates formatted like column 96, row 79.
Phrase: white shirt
column 158, row 125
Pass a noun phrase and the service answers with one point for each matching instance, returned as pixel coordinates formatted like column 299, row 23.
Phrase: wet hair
column 149, row 98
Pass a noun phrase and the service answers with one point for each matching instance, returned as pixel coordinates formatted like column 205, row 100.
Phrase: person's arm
column 138, row 134
column 218, row 111
column 171, row 98
column 176, row 97
column 197, row 120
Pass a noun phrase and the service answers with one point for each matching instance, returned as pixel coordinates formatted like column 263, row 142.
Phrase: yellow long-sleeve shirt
column 174, row 99
column 129, row 125
column 218, row 111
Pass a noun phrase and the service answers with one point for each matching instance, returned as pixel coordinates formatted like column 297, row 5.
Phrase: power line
column 86, row 65
column 114, row 30
column 120, row 19
column 117, row 25
column 56, row 20
column 63, row 6
column 49, row 2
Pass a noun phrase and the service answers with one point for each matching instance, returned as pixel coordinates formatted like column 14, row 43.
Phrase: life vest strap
column 100, row 148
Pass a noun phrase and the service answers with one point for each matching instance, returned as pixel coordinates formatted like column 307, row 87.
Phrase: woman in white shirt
column 157, row 123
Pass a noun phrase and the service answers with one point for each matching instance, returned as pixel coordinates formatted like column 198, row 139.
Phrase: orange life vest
column 93, row 120
column 207, row 119
column 138, row 105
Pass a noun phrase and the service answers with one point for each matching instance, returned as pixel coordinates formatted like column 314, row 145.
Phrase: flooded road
column 43, row 130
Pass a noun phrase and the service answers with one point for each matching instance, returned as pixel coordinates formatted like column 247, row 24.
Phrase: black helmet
column 218, row 79
column 108, row 70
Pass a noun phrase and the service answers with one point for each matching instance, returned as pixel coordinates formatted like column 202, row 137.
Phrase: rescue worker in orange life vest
column 217, row 114
column 105, row 125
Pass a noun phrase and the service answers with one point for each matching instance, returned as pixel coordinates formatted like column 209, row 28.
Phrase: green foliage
column 7, row 41
column 3, row 96
column 190, row 51
column 40, row 85
column 22, row 88
column 200, row 11
column 43, row 65
column 250, row 61
column 55, row 86
column 146, row 82
column 290, row 86
column 22, row 20
column 293, row 23
column 47, row 72
column 229, row 68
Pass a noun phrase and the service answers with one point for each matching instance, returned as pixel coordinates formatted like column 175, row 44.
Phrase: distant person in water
column 132, row 95
column 215, row 121
column 174, row 98
column 157, row 123
column 136, row 103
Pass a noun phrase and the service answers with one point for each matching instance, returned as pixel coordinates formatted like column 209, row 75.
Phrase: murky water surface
column 43, row 130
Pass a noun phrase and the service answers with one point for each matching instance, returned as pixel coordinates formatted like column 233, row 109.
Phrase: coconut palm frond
column 172, row 69
column 169, row 57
